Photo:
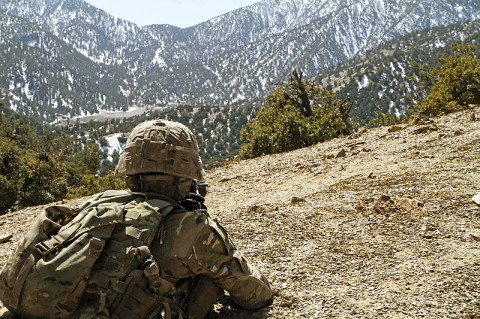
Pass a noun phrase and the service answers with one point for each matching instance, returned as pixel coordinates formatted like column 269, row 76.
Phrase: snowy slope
column 230, row 58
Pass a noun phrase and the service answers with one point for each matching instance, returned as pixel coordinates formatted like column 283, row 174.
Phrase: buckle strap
column 47, row 246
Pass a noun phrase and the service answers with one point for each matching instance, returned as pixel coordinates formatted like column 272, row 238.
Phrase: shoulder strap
column 161, row 206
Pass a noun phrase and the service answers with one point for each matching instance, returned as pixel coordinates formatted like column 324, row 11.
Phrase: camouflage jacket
column 191, row 243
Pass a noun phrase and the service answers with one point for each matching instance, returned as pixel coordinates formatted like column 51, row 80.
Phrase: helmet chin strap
column 172, row 186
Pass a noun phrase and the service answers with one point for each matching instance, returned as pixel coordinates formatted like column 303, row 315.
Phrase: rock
column 362, row 130
column 395, row 128
column 415, row 120
column 359, row 207
column 474, row 238
column 342, row 153
column 476, row 199
column 406, row 203
column 355, row 144
column 297, row 200
column 433, row 127
column 384, row 205
column 422, row 129
column 385, row 198
column 5, row 238
column 359, row 133
column 412, row 206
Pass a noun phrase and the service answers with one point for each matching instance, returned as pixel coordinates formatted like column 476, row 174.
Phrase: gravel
column 389, row 230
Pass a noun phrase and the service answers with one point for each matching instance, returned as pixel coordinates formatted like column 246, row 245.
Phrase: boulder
column 342, row 153
column 476, row 199
column 395, row 128
column 415, row 120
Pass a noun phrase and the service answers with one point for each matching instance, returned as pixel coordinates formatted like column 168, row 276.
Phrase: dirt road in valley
column 378, row 225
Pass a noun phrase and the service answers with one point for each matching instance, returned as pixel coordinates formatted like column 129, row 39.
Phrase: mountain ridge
column 232, row 58
column 383, row 79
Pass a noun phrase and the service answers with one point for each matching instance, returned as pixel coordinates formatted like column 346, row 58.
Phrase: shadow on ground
column 225, row 308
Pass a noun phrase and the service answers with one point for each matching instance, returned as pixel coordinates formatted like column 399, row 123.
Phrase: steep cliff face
column 230, row 58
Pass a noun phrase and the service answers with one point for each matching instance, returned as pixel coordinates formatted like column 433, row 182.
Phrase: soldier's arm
column 218, row 259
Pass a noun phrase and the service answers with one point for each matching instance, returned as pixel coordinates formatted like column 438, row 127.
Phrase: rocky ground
column 378, row 225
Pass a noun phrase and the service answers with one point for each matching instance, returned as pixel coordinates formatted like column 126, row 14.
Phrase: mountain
column 387, row 231
column 381, row 79
column 46, row 76
column 109, row 63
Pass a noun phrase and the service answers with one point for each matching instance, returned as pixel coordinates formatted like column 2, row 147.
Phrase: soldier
column 192, row 250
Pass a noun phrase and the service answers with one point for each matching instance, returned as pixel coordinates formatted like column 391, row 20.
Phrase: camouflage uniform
column 150, row 253
column 192, row 244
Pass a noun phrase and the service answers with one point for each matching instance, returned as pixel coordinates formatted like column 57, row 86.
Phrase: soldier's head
column 162, row 157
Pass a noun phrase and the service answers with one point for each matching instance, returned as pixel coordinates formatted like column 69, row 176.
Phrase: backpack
column 90, row 262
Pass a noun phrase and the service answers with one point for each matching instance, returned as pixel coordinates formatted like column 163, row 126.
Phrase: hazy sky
column 180, row 13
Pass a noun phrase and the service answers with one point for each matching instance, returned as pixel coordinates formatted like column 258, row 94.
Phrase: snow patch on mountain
column 233, row 57
column 363, row 83
column 114, row 144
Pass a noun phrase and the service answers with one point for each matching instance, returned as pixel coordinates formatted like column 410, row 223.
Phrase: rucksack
column 90, row 262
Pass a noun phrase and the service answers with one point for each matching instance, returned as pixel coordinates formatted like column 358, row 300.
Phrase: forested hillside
column 384, row 79
column 67, row 58
column 40, row 164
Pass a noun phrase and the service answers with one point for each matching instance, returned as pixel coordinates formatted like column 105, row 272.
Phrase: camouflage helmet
column 161, row 146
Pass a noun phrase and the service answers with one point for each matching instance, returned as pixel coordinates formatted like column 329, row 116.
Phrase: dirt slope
column 388, row 229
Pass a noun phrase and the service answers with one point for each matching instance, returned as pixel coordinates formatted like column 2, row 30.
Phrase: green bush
column 92, row 185
column 90, row 156
column 300, row 115
column 45, row 180
column 12, row 172
column 454, row 83
column 388, row 119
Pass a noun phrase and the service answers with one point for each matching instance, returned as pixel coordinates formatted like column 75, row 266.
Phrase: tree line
column 40, row 165
column 301, row 113
column 36, row 170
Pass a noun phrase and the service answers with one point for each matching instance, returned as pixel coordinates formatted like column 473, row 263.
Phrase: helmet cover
column 161, row 146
